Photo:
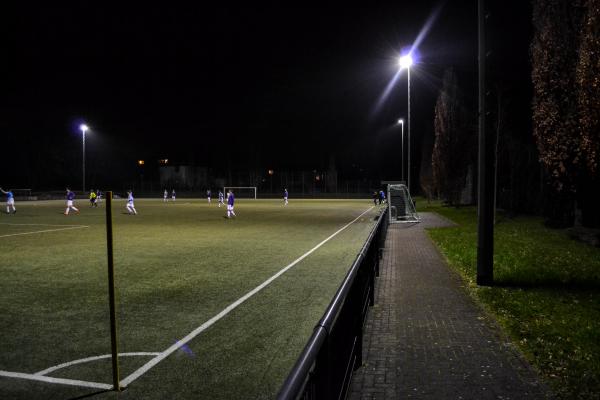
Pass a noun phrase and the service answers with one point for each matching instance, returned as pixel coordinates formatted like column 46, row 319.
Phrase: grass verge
column 546, row 294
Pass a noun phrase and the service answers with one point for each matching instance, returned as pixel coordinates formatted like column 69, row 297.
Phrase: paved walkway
column 426, row 338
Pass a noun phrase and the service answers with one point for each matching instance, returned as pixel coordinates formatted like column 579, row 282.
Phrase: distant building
column 183, row 176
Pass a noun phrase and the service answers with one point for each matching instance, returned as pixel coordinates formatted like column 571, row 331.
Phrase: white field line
column 48, row 379
column 150, row 364
column 1, row 223
column 46, row 230
column 89, row 359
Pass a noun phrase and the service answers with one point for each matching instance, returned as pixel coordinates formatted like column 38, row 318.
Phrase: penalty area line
column 150, row 364
column 45, row 230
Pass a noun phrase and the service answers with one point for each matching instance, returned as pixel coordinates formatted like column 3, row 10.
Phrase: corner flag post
column 111, row 292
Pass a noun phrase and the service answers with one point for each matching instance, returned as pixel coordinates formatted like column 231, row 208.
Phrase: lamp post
column 406, row 62
column 401, row 122
column 84, row 128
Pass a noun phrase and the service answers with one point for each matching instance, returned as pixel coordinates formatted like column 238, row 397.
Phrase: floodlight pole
column 402, row 123
column 83, row 165
column 408, row 147
column 485, row 200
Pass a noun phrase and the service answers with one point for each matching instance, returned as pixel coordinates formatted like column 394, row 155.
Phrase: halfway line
column 150, row 364
column 2, row 223
column 47, row 230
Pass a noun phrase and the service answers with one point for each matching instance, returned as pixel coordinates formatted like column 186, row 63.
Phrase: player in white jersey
column 165, row 195
column 130, row 206
column 208, row 195
column 173, row 195
column 221, row 198
column 10, row 201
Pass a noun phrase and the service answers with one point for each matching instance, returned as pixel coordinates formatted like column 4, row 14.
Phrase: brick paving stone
column 425, row 338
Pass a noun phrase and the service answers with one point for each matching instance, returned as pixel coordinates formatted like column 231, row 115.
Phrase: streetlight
column 406, row 62
column 401, row 122
column 84, row 128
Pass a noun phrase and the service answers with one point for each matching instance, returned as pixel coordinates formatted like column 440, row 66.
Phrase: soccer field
column 186, row 327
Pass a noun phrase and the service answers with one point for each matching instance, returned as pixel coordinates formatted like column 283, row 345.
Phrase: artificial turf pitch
column 177, row 265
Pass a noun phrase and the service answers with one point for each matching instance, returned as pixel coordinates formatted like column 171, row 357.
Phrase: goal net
column 241, row 192
column 401, row 207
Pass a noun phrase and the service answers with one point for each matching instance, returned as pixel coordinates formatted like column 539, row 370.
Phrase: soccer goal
column 401, row 207
column 241, row 192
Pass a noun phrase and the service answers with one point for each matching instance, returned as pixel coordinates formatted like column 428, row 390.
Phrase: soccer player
column 208, row 193
column 130, row 206
column 381, row 197
column 10, row 201
column 93, row 198
column 165, row 195
column 230, row 201
column 220, row 198
column 70, row 199
column 173, row 195
column 285, row 197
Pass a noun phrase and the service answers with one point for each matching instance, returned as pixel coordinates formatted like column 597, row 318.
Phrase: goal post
column 401, row 206
column 241, row 192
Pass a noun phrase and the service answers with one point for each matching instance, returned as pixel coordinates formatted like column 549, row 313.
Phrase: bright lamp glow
column 406, row 61
column 84, row 128
column 401, row 121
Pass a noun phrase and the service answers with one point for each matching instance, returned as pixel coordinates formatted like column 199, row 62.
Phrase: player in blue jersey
column 285, row 197
column 220, row 198
column 381, row 197
column 208, row 195
column 10, row 201
column 70, row 199
column 130, row 206
column 230, row 201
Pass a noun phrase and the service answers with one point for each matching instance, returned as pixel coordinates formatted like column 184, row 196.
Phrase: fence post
column 111, row 293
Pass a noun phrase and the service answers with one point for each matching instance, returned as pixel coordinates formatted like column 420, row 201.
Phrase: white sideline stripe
column 89, row 359
column 142, row 370
column 46, row 230
column 2, row 223
column 72, row 382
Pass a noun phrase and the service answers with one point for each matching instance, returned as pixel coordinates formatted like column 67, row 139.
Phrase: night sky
column 279, row 87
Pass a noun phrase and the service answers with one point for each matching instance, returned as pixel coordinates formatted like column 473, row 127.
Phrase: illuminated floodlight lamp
column 84, row 128
column 405, row 61
column 401, row 121
column 141, row 162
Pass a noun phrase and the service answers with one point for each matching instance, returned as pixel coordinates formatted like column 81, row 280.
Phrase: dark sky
column 277, row 86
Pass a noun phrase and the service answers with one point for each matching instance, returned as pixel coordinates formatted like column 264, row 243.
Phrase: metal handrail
column 313, row 353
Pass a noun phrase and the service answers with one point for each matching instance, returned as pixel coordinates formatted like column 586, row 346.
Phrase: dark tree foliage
column 454, row 141
column 555, row 107
column 566, row 105
column 588, row 92
column 588, row 82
